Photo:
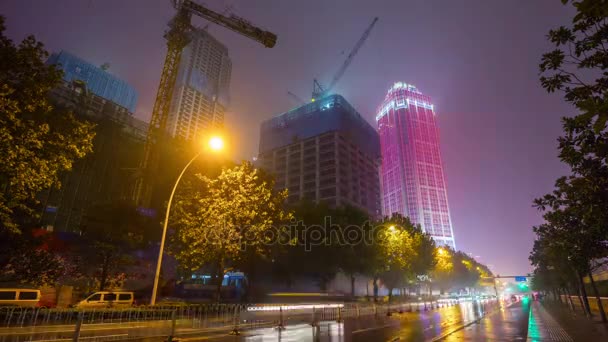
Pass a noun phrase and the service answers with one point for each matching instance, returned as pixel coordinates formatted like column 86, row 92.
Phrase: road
column 465, row 322
column 406, row 326
column 469, row 321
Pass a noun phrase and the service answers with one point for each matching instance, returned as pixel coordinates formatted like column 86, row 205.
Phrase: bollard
column 236, row 318
column 375, row 310
column 172, row 332
column 358, row 311
column 425, row 308
column 281, row 326
column 314, row 322
column 339, row 320
column 76, row 336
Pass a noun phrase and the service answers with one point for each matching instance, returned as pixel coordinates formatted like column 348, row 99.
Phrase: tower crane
column 296, row 98
column 177, row 37
column 319, row 91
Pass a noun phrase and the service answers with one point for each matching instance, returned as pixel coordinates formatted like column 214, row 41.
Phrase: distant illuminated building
column 413, row 182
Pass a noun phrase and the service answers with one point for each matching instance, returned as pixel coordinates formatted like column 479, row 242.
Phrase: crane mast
column 178, row 36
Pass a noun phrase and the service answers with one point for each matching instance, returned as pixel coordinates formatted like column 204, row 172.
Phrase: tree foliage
column 110, row 236
column 29, row 262
column 216, row 220
column 577, row 64
column 575, row 232
column 404, row 252
column 36, row 141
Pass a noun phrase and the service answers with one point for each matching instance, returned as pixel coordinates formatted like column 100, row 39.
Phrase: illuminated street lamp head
column 391, row 228
column 441, row 251
column 216, row 143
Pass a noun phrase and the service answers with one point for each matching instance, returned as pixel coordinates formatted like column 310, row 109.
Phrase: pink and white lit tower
column 413, row 183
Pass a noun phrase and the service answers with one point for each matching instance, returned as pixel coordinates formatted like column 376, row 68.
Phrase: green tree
column 466, row 274
column 28, row 261
column 313, row 251
column 110, row 235
column 353, row 226
column 36, row 141
column 571, row 214
column 216, row 220
column 443, row 272
column 576, row 212
column 397, row 257
column 581, row 54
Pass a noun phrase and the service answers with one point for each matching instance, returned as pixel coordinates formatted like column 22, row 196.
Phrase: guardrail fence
column 165, row 322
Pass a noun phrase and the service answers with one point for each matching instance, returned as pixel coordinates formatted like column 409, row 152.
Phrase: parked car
column 19, row 297
column 107, row 299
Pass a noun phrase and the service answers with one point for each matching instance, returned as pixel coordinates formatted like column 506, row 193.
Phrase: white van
column 107, row 299
column 19, row 297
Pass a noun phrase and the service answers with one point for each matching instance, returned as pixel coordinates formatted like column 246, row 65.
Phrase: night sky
column 478, row 60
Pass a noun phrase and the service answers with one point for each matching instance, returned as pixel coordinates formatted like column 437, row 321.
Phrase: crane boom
column 296, row 97
column 177, row 38
column 318, row 91
column 236, row 24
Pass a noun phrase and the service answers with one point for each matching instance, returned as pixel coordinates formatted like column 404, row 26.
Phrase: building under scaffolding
column 104, row 176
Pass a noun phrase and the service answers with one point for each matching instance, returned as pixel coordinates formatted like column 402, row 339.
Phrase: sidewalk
column 552, row 321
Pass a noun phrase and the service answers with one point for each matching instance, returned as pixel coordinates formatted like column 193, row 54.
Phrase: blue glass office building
column 324, row 151
column 98, row 81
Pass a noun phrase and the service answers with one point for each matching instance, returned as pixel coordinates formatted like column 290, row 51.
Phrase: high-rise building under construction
column 324, row 151
column 201, row 92
column 413, row 183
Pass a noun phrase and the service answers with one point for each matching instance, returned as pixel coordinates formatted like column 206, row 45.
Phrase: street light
column 441, row 251
column 215, row 144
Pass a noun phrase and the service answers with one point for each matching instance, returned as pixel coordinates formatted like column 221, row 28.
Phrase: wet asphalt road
column 506, row 324
column 469, row 321
column 500, row 324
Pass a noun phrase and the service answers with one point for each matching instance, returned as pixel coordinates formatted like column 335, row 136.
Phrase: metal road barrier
column 165, row 322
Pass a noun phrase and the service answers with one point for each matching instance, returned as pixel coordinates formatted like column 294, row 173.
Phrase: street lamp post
column 216, row 144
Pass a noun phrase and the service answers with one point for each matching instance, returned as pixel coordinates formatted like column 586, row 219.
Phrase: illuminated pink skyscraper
column 413, row 183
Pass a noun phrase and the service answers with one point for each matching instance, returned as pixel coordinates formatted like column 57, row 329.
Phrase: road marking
column 374, row 328
column 202, row 338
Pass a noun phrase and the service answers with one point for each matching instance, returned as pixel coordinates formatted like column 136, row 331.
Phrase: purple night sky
column 478, row 60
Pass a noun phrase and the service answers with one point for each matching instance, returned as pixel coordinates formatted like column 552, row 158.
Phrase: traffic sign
column 518, row 279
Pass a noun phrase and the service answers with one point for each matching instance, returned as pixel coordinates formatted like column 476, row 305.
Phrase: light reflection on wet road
column 424, row 326
column 507, row 324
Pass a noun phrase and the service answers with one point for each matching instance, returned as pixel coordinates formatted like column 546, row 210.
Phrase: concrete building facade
column 201, row 94
column 324, row 151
